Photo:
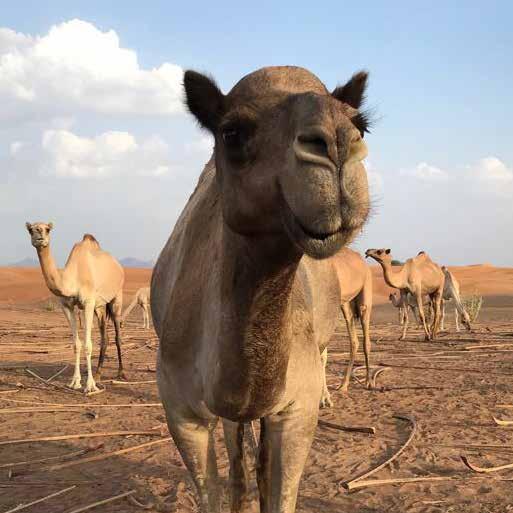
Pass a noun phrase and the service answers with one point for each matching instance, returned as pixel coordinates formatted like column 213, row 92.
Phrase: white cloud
column 494, row 175
column 77, row 66
column 426, row 173
column 15, row 147
column 65, row 154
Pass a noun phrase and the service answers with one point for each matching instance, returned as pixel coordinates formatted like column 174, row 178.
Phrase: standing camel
column 452, row 293
column 244, row 296
column 355, row 281
column 401, row 304
column 92, row 280
column 419, row 276
column 141, row 298
column 408, row 302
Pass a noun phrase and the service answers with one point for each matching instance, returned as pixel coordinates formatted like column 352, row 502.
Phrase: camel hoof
column 75, row 383
column 326, row 401
column 122, row 375
column 90, row 388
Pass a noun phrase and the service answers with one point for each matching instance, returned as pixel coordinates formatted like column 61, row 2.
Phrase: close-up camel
column 92, row 280
column 452, row 293
column 355, row 281
column 141, row 298
column 419, row 276
column 244, row 295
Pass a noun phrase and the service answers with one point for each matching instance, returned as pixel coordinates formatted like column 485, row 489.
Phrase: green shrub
column 49, row 306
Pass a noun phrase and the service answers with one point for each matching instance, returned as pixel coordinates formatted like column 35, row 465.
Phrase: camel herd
column 248, row 289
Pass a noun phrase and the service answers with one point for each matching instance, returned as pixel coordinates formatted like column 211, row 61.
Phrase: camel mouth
column 315, row 244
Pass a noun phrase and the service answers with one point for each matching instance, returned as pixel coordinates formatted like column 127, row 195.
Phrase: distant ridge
column 135, row 262
column 26, row 262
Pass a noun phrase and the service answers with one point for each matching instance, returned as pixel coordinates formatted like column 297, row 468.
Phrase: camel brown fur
column 419, row 276
column 141, row 298
column 92, row 281
column 244, row 295
column 355, row 281
column 452, row 293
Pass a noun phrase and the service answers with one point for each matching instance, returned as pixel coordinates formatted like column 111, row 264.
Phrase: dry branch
column 9, row 391
column 101, row 503
column 56, row 374
column 356, row 429
column 81, row 435
column 486, row 470
column 116, row 382
column 54, row 385
column 24, row 506
column 404, row 480
column 84, row 405
column 349, row 485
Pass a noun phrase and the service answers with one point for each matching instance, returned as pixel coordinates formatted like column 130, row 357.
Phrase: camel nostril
column 313, row 143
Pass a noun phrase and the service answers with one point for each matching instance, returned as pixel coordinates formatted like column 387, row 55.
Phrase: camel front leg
column 285, row 441
column 442, row 323
column 436, row 302
column 406, row 317
column 239, row 474
column 365, row 321
column 353, row 344
column 116, row 308
column 69, row 313
column 101, row 315
column 456, row 319
column 326, row 401
column 88, row 346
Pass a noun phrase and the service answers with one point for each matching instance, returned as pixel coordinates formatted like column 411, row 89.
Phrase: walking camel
column 452, row 293
column 92, row 280
column 244, row 296
column 141, row 298
column 418, row 276
column 355, row 281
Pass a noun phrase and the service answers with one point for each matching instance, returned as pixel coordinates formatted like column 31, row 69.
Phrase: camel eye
column 379, row 252
column 232, row 137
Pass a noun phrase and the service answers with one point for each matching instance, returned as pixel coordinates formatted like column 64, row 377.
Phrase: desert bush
column 472, row 305
column 49, row 306
column 397, row 262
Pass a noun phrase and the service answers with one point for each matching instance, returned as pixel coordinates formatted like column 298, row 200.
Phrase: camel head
column 382, row 256
column 288, row 155
column 39, row 234
column 391, row 297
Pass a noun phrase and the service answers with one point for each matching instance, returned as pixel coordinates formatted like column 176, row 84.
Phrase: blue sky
column 440, row 84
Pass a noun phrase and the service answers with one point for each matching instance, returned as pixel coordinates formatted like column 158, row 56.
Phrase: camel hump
column 91, row 238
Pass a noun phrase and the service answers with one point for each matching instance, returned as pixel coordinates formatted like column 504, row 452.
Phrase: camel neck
column 257, row 277
column 393, row 279
column 51, row 274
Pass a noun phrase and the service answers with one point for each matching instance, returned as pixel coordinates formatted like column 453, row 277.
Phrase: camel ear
column 388, row 251
column 28, row 226
column 50, row 226
column 203, row 99
column 353, row 92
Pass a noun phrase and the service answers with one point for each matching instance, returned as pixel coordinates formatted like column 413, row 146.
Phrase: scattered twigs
column 350, row 485
column 500, row 422
column 10, row 391
column 106, row 455
column 102, row 502
column 140, row 505
column 54, row 385
column 506, row 406
column 447, row 369
column 95, row 392
column 37, row 409
column 117, row 382
column 486, row 346
column 81, row 435
column 376, row 374
column 28, row 504
column 355, row 429
column 486, row 470
column 69, row 455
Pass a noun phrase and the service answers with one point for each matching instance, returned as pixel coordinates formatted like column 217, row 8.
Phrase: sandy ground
column 452, row 388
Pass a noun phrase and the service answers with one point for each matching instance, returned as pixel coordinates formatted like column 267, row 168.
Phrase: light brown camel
column 92, row 280
column 355, row 281
column 401, row 304
column 452, row 293
column 244, row 297
column 419, row 276
column 141, row 298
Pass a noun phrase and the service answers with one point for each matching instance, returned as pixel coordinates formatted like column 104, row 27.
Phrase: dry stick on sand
column 104, row 456
column 66, row 456
column 54, row 385
column 101, row 503
column 485, row 470
column 84, row 405
column 56, row 374
column 404, row 480
column 81, row 435
column 503, row 422
column 24, row 506
column 446, row 369
column 504, row 406
column 356, row 429
column 357, row 482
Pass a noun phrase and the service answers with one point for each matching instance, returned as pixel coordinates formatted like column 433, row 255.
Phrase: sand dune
column 26, row 285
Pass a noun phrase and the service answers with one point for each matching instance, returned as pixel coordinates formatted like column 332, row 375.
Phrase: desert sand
column 451, row 387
